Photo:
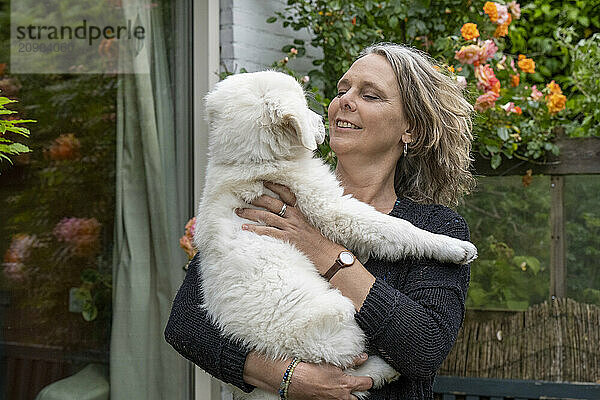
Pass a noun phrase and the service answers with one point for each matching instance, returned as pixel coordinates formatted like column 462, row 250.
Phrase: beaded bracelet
column 287, row 378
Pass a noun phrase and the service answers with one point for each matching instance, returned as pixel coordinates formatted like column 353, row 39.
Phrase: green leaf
column 89, row 275
column 270, row 20
column 21, row 121
column 90, row 314
column 502, row 133
column 496, row 161
column 6, row 100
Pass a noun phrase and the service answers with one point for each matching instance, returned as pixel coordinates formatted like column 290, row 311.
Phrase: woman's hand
column 292, row 226
column 325, row 381
column 309, row 381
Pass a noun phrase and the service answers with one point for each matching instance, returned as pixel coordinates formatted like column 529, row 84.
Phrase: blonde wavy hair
column 437, row 166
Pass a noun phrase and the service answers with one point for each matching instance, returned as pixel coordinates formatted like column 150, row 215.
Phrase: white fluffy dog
column 262, row 291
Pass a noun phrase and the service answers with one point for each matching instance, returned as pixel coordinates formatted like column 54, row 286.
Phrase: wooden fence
column 556, row 341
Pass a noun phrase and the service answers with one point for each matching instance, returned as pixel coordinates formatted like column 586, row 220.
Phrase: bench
column 467, row 388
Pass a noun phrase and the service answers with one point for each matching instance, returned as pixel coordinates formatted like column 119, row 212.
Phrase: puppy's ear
column 307, row 138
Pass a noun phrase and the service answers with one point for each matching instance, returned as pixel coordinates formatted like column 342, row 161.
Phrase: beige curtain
column 149, row 220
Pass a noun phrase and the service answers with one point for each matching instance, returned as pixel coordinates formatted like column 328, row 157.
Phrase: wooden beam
column 514, row 388
column 558, row 267
column 577, row 156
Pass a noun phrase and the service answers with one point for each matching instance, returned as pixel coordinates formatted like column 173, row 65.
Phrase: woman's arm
column 309, row 381
column 192, row 333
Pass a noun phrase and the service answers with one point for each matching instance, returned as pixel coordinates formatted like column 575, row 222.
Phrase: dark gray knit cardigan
column 411, row 315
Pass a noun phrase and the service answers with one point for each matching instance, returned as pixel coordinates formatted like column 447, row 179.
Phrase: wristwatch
column 344, row 260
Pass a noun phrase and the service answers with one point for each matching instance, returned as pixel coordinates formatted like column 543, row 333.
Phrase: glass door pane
column 71, row 257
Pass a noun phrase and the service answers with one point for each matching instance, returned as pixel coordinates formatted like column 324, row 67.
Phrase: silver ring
column 282, row 212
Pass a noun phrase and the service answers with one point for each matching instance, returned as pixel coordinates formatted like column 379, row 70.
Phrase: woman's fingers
column 361, row 383
column 270, row 203
column 284, row 192
column 265, row 230
column 360, row 359
column 260, row 216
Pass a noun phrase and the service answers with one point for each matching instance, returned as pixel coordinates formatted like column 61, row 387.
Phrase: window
column 92, row 216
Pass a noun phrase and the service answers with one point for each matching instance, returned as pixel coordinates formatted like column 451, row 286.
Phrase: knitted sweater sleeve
column 192, row 333
column 415, row 327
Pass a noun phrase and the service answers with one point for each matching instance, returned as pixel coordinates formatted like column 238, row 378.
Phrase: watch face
column 346, row 258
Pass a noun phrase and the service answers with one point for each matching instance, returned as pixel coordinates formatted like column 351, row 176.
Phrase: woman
column 401, row 133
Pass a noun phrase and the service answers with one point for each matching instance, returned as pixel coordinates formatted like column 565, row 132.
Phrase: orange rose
column 490, row 9
column 469, row 31
column 502, row 29
column 554, row 88
column 526, row 64
column 514, row 80
column 496, row 88
column 64, row 147
column 556, row 102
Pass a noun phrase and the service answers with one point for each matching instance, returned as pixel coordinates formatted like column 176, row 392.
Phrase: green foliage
column 583, row 237
column 342, row 28
column 499, row 279
column 510, row 226
column 95, row 292
column 585, row 78
column 535, row 33
column 8, row 146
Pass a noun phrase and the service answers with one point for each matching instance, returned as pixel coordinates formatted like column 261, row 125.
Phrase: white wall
column 247, row 41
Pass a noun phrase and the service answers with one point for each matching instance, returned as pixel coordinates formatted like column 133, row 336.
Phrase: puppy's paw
column 470, row 253
column 378, row 370
column 361, row 395
column 455, row 251
column 250, row 192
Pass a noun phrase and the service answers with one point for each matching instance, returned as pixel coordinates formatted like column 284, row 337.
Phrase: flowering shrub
column 185, row 242
column 517, row 119
column 513, row 121
column 80, row 235
column 16, row 254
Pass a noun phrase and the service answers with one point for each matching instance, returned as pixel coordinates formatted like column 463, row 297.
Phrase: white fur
column 265, row 292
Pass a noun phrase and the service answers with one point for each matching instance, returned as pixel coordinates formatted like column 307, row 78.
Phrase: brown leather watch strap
column 333, row 270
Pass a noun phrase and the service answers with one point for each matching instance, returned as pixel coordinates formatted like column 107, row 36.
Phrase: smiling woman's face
column 367, row 116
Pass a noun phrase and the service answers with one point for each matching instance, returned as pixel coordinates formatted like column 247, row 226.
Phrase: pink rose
column 486, row 101
column 515, row 9
column 510, row 108
column 80, row 235
column 488, row 49
column 468, row 54
column 536, row 94
column 486, row 79
column 16, row 254
column 502, row 14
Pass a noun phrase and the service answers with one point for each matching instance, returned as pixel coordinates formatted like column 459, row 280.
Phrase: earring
column 405, row 149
